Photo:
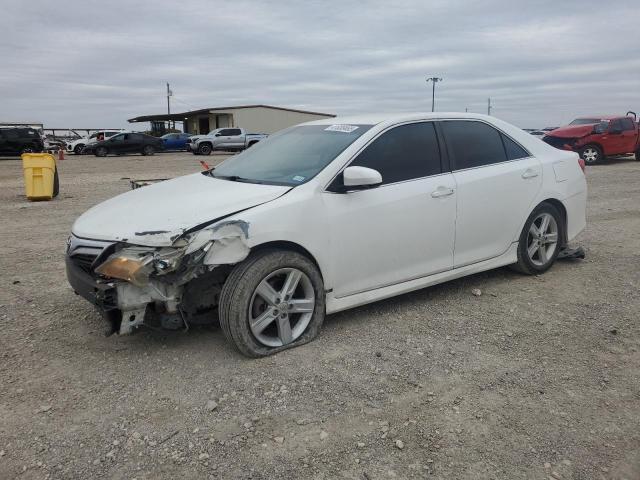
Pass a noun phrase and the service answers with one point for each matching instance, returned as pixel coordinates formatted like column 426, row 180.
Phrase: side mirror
column 358, row 178
column 218, row 134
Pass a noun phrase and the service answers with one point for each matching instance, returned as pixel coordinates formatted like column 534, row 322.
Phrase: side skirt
column 338, row 304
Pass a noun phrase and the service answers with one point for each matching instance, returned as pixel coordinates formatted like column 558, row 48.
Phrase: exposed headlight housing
column 129, row 266
column 135, row 264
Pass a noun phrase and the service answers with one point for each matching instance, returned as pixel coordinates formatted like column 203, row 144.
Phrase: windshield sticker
column 298, row 178
column 341, row 128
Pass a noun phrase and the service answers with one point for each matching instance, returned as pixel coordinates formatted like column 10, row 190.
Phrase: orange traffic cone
column 60, row 153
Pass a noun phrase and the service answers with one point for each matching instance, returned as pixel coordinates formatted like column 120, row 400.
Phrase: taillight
column 582, row 164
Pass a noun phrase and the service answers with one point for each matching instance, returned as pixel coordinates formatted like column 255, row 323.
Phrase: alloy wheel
column 281, row 307
column 542, row 239
column 590, row 155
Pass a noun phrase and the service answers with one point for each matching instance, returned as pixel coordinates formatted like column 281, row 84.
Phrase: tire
column 101, row 152
column 148, row 150
column 27, row 149
column 591, row 154
column 77, row 150
column 240, row 303
column 56, row 183
column 637, row 153
column 205, row 149
column 532, row 260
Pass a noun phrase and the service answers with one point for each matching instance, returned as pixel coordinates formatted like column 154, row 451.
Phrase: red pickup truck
column 595, row 138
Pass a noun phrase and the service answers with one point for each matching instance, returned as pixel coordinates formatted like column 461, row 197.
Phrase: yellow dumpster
column 40, row 176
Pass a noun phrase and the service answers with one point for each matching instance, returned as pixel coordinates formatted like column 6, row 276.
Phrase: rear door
column 401, row 230
column 497, row 182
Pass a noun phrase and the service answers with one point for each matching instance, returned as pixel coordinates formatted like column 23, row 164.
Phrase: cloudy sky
column 98, row 63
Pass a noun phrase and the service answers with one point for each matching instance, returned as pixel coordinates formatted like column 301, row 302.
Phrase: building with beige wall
column 253, row 118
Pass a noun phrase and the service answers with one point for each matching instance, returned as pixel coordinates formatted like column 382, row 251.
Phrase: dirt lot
column 537, row 378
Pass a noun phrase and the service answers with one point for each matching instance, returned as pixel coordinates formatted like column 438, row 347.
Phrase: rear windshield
column 290, row 157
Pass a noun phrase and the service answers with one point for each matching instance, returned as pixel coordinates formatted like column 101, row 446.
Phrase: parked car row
column 227, row 139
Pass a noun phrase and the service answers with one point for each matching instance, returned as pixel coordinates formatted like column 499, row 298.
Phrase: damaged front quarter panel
column 171, row 268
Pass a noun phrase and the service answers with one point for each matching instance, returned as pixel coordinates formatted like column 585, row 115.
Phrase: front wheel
column 148, row 150
column 205, row 149
column 101, row 152
column 540, row 240
column 591, row 154
column 77, row 150
column 272, row 301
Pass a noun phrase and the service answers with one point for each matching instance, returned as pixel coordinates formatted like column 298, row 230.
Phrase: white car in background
column 76, row 146
column 326, row 216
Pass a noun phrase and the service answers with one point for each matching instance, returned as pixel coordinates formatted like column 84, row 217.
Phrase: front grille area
column 558, row 142
column 84, row 253
column 84, row 261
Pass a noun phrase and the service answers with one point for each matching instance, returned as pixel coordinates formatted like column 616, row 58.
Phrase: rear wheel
column 101, row 152
column 27, row 149
column 591, row 154
column 540, row 240
column 272, row 301
column 148, row 150
column 638, row 154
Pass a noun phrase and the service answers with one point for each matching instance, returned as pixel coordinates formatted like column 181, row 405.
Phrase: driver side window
column 406, row 152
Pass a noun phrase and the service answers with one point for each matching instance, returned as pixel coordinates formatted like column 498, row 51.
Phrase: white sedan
column 323, row 217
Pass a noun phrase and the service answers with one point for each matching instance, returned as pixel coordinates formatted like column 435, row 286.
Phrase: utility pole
column 489, row 106
column 169, row 93
column 433, row 91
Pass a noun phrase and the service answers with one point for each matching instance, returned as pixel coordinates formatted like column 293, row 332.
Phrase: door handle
column 442, row 192
column 529, row 173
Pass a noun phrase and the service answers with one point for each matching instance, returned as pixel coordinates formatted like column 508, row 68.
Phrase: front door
column 621, row 135
column 497, row 182
column 401, row 230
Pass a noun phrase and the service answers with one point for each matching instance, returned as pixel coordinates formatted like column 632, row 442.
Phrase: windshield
column 585, row 121
column 292, row 156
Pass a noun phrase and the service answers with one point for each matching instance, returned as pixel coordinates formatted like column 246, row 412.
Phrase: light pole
column 433, row 91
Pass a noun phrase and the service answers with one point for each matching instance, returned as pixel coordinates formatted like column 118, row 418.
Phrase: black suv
column 125, row 143
column 18, row 140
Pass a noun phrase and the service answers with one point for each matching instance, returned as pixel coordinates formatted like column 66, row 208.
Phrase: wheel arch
column 563, row 212
column 288, row 245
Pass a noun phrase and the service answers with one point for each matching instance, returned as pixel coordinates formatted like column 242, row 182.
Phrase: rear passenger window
column 473, row 144
column 514, row 151
column 403, row 153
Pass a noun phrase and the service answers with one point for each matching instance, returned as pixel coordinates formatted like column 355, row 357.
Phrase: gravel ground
column 536, row 378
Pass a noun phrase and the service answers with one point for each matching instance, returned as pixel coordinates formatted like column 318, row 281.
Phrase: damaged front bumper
column 100, row 272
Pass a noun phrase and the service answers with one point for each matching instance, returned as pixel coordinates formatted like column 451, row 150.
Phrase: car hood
column 572, row 131
column 156, row 215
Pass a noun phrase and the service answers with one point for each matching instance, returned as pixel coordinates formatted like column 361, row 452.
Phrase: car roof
column 391, row 118
column 602, row 117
